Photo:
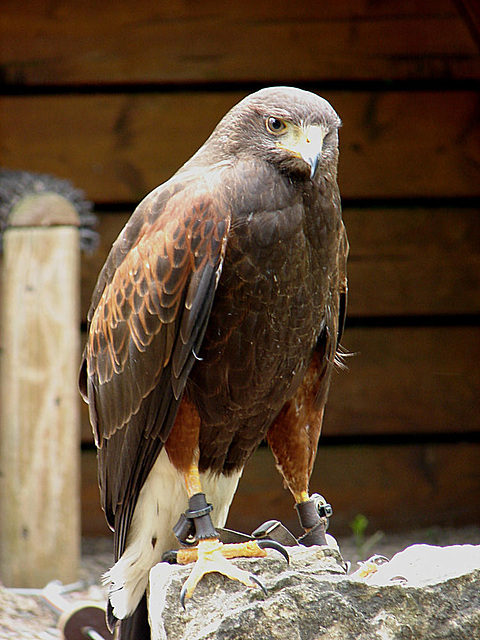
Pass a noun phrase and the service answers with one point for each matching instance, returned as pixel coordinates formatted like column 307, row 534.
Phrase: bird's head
column 295, row 130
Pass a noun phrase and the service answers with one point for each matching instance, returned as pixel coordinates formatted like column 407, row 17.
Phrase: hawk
column 215, row 323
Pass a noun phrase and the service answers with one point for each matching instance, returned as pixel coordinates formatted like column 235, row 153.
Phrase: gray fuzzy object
column 16, row 185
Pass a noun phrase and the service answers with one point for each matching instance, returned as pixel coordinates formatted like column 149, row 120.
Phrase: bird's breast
column 267, row 314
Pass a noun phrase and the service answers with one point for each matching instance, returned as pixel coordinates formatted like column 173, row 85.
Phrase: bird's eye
column 275, row 125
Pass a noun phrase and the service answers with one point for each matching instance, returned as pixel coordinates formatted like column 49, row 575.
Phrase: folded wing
column 149, row 313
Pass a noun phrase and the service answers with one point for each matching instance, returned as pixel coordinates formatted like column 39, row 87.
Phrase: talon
column 170, row 557
column 183, row 594
column 257, row 582
column 265, row 543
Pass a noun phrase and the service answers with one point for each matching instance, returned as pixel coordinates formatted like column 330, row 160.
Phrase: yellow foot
column 211, row 556
column 369, row 567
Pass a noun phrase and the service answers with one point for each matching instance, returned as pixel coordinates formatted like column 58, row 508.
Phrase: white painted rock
column 424, row 564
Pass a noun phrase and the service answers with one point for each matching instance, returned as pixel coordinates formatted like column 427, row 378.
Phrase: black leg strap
column 313, row 516
column 314, row 536
column 195, row 524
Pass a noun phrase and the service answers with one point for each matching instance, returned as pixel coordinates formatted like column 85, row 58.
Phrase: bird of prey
column 215, row 323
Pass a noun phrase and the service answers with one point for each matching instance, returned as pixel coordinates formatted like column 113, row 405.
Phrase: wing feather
column 328, row 342
column 148, row 317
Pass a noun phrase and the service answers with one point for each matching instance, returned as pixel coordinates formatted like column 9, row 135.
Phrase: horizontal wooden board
column 411, row 262
column 407, row 380
column 402, row 381
column 78, row 42
column 402, row 261
column 395, row 487
column 118, row 147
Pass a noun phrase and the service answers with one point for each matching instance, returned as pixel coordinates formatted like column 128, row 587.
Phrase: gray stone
column 313, row 599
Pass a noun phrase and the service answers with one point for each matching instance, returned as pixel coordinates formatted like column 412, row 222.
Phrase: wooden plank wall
column 117, row 95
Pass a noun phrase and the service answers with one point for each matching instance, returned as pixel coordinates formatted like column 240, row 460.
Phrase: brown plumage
column 216, row 319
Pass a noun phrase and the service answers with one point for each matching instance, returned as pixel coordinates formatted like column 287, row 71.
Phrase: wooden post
column 39, row 412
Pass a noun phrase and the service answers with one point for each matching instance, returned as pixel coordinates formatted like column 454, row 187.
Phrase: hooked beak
column 313, row 162
column 306, row 144
column 310, row 146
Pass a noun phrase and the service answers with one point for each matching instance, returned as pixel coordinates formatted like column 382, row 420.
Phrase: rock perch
column 313, row 599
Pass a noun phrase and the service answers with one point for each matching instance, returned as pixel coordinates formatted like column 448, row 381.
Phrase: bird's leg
column 313, row 510
column 293, row 439
column 196, row 525
column 210, row 555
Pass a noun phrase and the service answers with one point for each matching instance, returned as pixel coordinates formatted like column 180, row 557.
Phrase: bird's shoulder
column 186, row 207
